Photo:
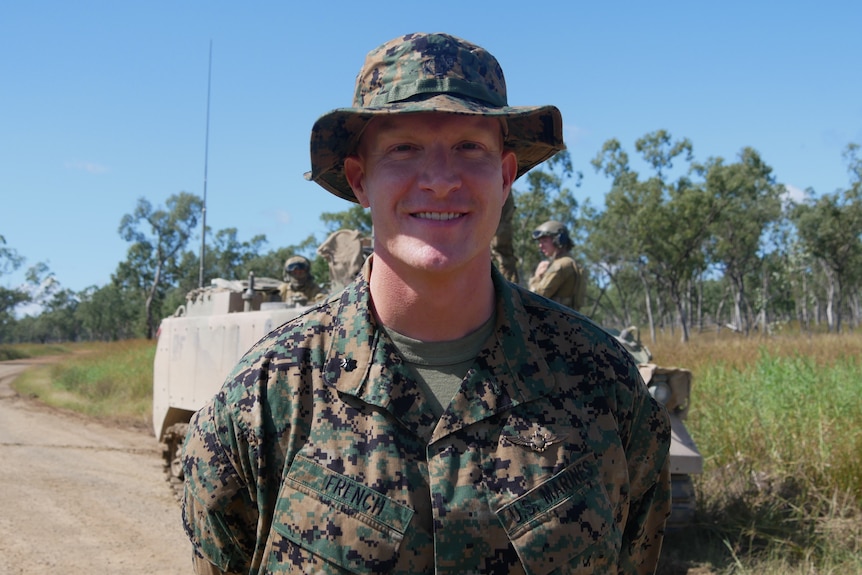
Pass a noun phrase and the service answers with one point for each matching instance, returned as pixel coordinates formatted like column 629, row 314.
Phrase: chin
column 429, row 258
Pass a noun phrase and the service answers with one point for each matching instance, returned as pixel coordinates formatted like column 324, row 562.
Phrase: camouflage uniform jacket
column 564, row 282
column 321, row 455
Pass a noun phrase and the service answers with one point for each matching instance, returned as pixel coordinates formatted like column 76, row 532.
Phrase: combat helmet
column 294, row 263
column 555, row 230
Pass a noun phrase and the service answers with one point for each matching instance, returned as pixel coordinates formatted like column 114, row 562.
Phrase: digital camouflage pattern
column 419, row 73
column 321, row 455
column 564, row 282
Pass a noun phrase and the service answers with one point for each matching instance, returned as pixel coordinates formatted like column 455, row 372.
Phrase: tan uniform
column 304, row 294
column 564, row 282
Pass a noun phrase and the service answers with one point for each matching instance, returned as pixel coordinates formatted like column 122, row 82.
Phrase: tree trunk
column 718, row 313
column 648, row 303
column 854, row 310
column 832, row 312
column 680, row 309
column 764, row 300
column 149, row 304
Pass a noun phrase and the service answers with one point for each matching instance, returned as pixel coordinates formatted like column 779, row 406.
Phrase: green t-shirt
column 440, row 366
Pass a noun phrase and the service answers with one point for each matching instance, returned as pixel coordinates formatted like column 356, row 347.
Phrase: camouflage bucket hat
column 420, row 73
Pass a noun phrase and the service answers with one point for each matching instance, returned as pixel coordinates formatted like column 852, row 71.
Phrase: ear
column 355, row 174
column 510, row 170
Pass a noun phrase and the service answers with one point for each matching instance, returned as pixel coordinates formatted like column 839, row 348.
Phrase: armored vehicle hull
column 198, row 347
column 672, row 387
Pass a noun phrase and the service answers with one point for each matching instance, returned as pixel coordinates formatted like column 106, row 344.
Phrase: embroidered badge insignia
column 538, row 442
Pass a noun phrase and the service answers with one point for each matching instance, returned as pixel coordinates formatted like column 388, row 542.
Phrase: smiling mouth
column 439, row 216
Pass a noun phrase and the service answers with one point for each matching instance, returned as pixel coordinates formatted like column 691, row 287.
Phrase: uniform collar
column 363, row 362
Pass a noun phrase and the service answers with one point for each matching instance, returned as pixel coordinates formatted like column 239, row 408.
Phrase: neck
column 432, row 306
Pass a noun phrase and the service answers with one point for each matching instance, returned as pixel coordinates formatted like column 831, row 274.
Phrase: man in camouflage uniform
column 299, row 287
column 432, row 417
column 559, row 277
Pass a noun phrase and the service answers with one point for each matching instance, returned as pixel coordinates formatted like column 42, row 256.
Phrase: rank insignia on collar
column 348, row 364
column 538, row 442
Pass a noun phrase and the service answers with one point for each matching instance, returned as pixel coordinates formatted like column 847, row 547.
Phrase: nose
column 439, row 172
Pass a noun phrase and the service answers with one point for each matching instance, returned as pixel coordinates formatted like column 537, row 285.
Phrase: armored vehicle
column 670, row 386
column 205, row 338
column 199, row 345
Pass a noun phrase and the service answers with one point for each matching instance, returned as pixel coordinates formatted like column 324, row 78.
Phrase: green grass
column 778, row 423
column 790, row 415
column 28, row 350
column 111, row 382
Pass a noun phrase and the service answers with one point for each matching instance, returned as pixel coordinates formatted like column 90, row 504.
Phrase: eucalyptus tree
column 10, row 259
column 749, row 201
column 10, row 298
column 108, row 313
column 57, row 305
column 158, row 236
column 830, row 227
column 615, row 241
column 354, row 218
column 661, row 224
column 675, row 248
column 227, row 256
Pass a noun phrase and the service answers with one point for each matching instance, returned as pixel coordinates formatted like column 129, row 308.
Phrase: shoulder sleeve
column 552, row 280
column 647, row 444
column 219, row 512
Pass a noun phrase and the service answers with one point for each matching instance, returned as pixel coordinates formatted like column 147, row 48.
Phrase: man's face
column 435, row 184
column 546, row 245
column 296, row 271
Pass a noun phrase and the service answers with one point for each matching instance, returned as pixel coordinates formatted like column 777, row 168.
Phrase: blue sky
column 102, row 103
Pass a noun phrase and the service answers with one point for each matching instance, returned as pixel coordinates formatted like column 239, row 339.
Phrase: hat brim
column 535, row 133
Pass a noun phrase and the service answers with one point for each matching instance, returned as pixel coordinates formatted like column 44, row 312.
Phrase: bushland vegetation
column 777, row 421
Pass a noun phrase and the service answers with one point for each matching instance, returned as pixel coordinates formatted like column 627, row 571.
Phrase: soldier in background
column 559, row 277
column 299, row 287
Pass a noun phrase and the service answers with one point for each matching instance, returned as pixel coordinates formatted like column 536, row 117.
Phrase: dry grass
column 737, row 351
column 778, row 422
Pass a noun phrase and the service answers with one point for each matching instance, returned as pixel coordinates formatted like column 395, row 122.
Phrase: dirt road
column 78, row 497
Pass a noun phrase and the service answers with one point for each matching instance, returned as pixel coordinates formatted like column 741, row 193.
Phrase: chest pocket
column 565, row 524
column 334, row 517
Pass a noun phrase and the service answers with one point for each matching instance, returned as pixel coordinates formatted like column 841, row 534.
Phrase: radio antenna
column 206, row 161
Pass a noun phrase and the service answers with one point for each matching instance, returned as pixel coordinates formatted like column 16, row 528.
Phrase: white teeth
column 438, row 215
